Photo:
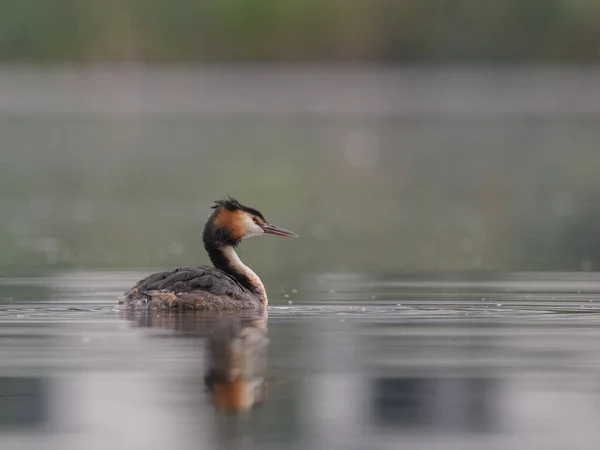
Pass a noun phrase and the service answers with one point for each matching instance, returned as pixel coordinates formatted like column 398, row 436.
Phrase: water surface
column 351, row 361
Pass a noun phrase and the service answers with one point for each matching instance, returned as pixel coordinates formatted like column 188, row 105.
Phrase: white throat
column 237, row 264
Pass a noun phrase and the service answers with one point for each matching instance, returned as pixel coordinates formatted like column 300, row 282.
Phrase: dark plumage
column 200, row 287
column 228, row 285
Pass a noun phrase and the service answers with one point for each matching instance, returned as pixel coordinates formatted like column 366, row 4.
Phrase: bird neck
column 226, row 259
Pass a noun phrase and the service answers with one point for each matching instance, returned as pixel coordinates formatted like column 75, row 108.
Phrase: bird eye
column 255, row 219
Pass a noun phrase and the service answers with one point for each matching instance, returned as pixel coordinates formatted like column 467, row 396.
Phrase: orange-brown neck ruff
column 233, row 222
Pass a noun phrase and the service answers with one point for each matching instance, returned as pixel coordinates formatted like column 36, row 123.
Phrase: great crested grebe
column 228, row 285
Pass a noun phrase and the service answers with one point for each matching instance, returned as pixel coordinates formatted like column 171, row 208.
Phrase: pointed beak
column 269, row 228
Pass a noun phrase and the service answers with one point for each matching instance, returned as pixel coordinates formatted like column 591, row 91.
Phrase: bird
column 229, row 285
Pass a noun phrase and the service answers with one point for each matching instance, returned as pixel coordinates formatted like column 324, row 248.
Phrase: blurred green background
column 364, row 194
column 378, row 165
column 299, row 30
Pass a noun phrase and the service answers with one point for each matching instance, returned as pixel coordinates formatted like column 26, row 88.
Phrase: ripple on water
column 533, row 296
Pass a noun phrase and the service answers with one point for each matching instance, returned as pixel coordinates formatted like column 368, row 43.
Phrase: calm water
column 341, row 361
column 401, row 318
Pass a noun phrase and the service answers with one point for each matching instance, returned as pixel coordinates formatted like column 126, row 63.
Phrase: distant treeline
column 299, row 30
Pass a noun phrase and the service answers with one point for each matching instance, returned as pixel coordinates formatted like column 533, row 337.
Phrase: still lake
column 348, row 362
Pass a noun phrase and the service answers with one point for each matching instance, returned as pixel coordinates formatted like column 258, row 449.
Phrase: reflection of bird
column 236, row 365
column 237, row 350
column 228, row 285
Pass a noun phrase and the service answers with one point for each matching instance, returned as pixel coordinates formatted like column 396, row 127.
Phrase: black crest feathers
column 231, row 204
